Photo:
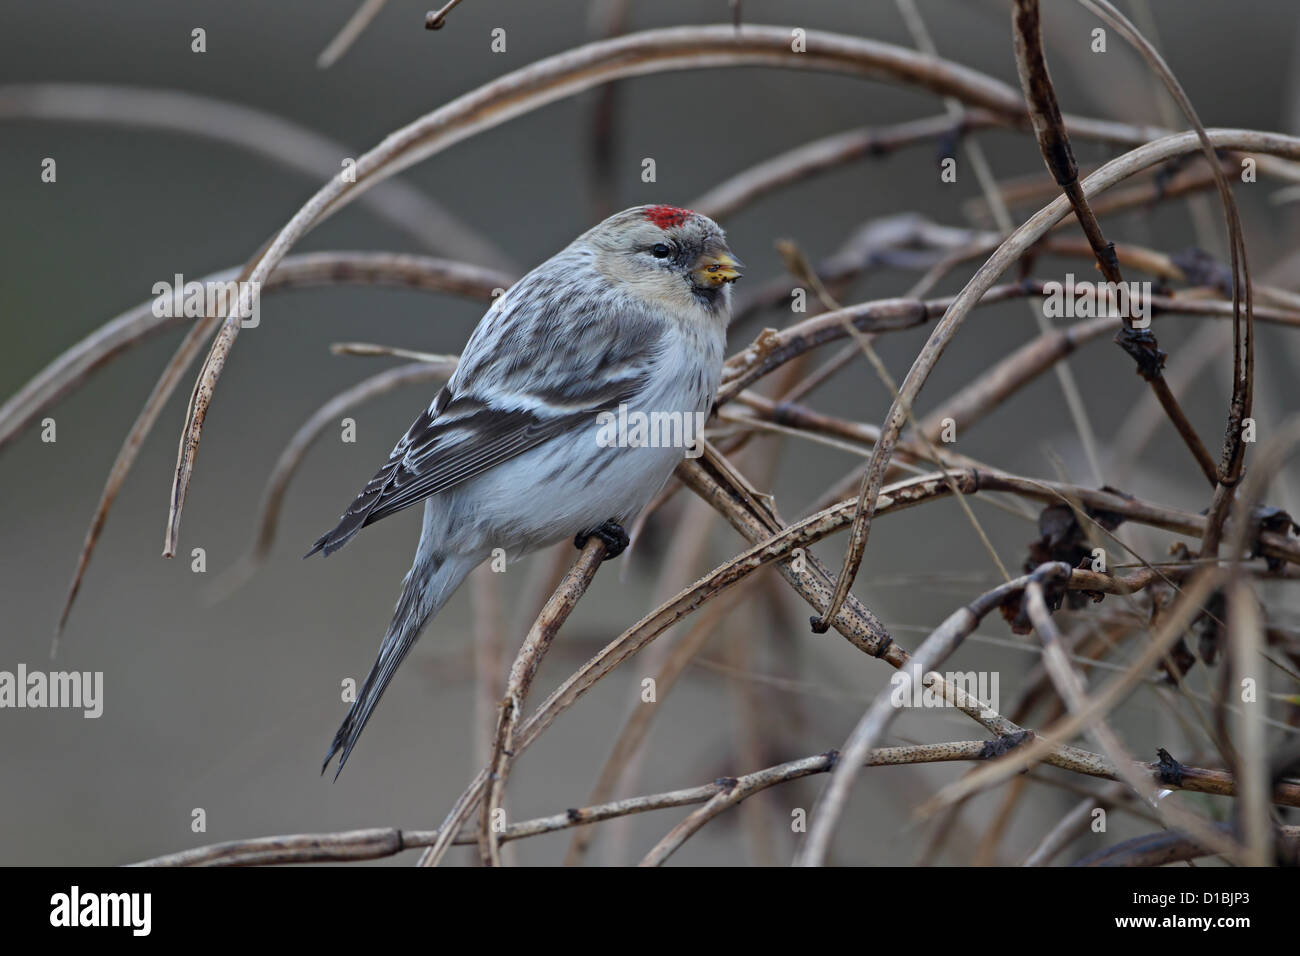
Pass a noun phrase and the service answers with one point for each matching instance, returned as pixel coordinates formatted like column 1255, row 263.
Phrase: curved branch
column 1232, row 460
column 379, row 842
column 74, row 365
column 1011, row 249
column 275, row 138
column 318, row 268
column 934, row 650
column 296, row 449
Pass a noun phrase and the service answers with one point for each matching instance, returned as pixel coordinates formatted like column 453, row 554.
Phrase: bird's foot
column 611, row 532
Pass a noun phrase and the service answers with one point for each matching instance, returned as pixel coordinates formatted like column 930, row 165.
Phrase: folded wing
column 458, row 437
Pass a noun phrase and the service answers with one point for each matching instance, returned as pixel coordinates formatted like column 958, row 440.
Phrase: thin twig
column 437, row 19
column 936, row 648
column 522, row 672
column 272, row 137
column 317, row 268
column 356, row 25
column 382, row 842
column 293, row 453
column 1010, row 250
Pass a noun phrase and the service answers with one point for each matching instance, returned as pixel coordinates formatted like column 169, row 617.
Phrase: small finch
column 510, row 454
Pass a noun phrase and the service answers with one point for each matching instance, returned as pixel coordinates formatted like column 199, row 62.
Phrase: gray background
column 229, row 706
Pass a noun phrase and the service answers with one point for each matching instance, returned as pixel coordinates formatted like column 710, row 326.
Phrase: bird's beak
column 713, row 269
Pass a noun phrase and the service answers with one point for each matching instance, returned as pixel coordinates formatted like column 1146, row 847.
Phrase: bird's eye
column 660, row 250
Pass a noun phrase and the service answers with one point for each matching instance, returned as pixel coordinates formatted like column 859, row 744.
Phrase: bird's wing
column 458, row 437
column 546, row 358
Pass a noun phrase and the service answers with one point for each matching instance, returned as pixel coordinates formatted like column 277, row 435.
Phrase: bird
column 513, row 454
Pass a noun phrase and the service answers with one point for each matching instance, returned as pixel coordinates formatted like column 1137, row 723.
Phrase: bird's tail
column 430, row 582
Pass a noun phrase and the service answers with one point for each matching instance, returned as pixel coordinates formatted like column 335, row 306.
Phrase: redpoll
column 528, row 442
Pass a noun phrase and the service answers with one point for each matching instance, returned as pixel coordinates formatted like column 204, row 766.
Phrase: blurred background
column 228, row 705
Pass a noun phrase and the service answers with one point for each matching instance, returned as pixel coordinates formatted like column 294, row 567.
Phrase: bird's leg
column 611, row 532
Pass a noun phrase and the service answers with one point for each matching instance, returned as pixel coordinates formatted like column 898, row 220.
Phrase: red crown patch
column 665, row 217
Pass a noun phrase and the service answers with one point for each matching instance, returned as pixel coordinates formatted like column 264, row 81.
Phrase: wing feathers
column 457, row 438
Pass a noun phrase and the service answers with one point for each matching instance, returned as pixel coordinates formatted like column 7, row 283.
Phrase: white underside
column 571, row 484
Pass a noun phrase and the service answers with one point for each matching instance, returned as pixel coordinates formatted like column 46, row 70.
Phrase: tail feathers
column 351, row 522
column 357, row 516
column 426, row 588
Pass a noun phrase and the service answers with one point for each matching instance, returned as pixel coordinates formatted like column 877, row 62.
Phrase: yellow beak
column 713, row 269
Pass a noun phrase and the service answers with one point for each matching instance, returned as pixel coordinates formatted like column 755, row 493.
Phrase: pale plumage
column 632, row 313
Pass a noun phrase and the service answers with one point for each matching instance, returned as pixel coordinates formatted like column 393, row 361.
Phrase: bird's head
column 670, row 256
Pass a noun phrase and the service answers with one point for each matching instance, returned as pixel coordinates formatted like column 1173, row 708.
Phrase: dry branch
column 272, row 137
column 1008, row 252
column 522, row 672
